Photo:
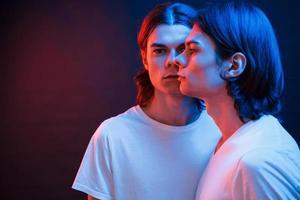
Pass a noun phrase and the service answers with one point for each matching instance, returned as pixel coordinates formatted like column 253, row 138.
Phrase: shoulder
column 266, row 134
column 255, row 160
column 133, row 114
column 267, row 165
column 124, row 117
column 119, row 123
column 267, row 174
column 259, row 158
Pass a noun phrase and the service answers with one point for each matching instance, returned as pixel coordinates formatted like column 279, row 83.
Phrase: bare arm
column 92, row 198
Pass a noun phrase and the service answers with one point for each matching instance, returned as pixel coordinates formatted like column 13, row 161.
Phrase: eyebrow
column 164, row 46
column 157, row 45
column 193, row 42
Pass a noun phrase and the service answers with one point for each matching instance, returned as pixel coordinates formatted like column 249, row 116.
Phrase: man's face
column 163, row 45
column 199, row 71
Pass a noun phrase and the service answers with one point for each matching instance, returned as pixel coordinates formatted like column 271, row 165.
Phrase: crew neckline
column 148, row 119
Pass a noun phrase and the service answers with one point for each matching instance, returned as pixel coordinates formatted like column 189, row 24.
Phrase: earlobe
column 235, row 66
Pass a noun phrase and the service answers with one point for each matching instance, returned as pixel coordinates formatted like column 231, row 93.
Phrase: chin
column 185, row 91
column 175, row 92
column 174, row 88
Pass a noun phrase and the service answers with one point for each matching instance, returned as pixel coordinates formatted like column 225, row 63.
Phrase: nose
column 171, row 58
column 181, row 60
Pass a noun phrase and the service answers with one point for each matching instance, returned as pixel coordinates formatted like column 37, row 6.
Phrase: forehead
column 197, row 35
column 169, row 34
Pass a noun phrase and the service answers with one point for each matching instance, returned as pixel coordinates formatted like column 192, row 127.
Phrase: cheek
column 190, row 86
column 195, row 74
column 192, row 82
column 155, row 61
column 202, row 75
column 155, row 68
column 213, row 77
column 207, row 68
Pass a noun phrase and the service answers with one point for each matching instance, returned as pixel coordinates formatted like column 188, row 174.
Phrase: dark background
column 68, row 65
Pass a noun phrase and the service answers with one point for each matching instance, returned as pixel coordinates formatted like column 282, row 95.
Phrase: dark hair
column 237, row 26
column 167, row 13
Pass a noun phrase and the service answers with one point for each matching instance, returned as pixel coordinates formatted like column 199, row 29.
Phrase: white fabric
column 259, row 161
column 133, row 157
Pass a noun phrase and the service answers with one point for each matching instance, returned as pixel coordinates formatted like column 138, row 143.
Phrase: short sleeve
column 94, row 176
column 267, row 174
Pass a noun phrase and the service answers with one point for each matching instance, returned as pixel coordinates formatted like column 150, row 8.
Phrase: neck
column 221, row 109
column 174, row 110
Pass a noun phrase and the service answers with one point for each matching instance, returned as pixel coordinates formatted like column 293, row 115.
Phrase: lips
column 171, row 76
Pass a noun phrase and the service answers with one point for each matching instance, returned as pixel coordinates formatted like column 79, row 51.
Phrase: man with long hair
column 232, row 62
column 159, row 148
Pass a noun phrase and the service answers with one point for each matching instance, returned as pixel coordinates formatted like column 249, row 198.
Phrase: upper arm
column 266, row 174
column 94, row 176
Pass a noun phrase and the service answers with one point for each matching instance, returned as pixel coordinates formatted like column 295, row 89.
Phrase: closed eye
column 190, row 51
column 192, row 47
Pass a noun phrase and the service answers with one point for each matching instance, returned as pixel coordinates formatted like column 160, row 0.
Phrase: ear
column 234, row 66
column 144, row 59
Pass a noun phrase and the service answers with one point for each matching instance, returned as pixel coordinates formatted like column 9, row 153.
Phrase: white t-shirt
column 133, row 157
column 260, row 161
